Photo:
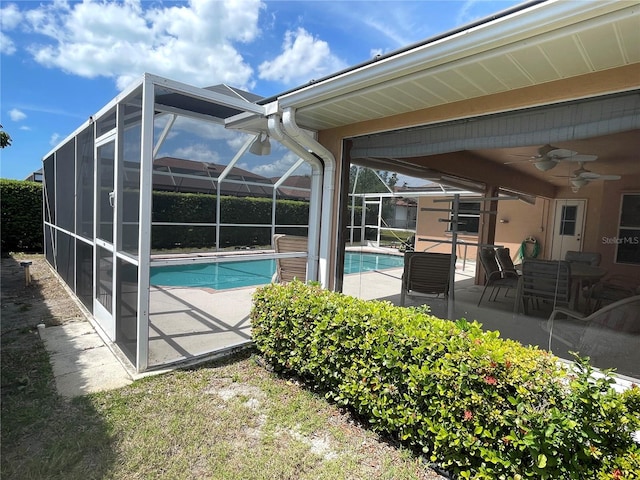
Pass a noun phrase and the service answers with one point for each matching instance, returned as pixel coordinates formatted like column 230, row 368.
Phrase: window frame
column 465, row 205
column 628, row 235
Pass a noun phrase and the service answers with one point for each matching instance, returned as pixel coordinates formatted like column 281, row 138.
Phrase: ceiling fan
column 582, row 176
column 549, row 156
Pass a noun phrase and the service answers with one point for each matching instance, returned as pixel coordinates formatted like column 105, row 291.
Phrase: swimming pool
column 223, row 276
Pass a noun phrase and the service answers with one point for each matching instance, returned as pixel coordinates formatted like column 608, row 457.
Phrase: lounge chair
column 609, row 336
column 425, row 273
column 610, row 289
column 288, row 269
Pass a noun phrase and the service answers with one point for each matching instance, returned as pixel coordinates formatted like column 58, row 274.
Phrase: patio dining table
column 583, row 274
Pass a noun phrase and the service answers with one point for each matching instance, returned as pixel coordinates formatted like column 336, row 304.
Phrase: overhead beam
column 467, row 165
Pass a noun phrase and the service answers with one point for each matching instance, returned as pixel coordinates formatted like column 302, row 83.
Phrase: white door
column 568, row 227
column 104, row 280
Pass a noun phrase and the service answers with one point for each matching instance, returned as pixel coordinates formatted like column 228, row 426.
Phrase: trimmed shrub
column 478, row 405
column 21, row 216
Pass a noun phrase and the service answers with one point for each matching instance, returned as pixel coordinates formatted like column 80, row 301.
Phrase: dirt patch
column 45, row 300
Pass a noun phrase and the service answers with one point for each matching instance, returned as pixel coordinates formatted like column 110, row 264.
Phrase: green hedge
column 21, row 216
column 22, row 228
column 479, row 406
column 201, row 208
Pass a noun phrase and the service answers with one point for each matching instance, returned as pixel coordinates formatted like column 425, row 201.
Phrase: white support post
column 379, row 221
column 164, row 134
column 353, row 207
column 144, row 231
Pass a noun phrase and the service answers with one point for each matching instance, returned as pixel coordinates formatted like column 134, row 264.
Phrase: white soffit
column 549, row 41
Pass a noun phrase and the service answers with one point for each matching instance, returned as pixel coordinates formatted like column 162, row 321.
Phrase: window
column 568, row 220
column 468, row 220
column 628, row 239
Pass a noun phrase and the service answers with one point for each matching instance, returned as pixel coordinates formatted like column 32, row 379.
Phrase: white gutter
column 296, row 133
column 315, row 200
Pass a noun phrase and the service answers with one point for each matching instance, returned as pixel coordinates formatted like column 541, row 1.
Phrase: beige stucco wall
column 516, row 221
column 602, row 219
column 606, row 220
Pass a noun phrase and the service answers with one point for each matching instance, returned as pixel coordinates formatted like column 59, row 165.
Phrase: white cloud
column 198, row 152
column 17, row 115
column 10, row 17
column 237, row 139
column 394, row 24
column 466, row 13
column 386, row 28
column 55, row 139
column 24, row 127
column 207, row 130
column 7, row 47
column 275, row 168
column 191, row 42
column 303, row 58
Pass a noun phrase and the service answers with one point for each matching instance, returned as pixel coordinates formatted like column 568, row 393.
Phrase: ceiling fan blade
column 589, row 175
column 578, row 158
column 560, row 153
column 607, row 177
column 529, row 159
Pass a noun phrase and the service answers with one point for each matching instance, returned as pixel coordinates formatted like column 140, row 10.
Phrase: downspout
column 294, row 131
column 315, row 205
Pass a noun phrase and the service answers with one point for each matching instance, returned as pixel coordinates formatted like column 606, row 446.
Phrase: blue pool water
column 223, row 276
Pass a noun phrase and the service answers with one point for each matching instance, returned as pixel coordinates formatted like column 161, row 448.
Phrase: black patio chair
column 503, row 255
column 495, row 277
column 546, row 280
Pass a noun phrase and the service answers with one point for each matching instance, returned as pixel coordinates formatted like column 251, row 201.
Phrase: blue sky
column 61, row 61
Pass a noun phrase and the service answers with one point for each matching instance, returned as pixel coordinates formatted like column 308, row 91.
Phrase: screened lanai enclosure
column 154, row 218
column 160, row 214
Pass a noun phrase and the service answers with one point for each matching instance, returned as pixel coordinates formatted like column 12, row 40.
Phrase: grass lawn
column 230, row 419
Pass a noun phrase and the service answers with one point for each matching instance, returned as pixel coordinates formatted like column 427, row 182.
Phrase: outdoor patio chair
column 546, row 280
column 590, row 258
column 503, row 255
column 609, row 336
column 288, row 269
column 495, row 277
column 425, row 273
column 610, row 289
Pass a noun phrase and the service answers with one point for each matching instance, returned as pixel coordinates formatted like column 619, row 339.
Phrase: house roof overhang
column 535, row 45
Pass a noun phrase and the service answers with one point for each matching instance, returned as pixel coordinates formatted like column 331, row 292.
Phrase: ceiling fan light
column 544, row 165
column 579, row 182
column 561, row 153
